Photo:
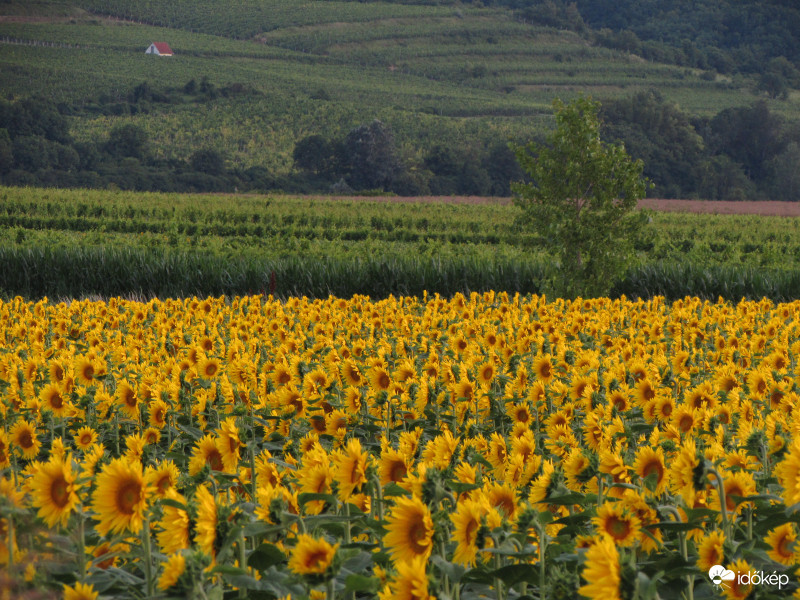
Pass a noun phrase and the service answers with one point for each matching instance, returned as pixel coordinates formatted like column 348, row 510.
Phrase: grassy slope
column 432, row 73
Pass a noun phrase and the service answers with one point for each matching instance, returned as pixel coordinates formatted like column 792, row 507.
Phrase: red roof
column 162, row 47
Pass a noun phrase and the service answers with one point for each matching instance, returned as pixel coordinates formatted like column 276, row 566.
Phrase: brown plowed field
column 718, row 207
column 768, row 208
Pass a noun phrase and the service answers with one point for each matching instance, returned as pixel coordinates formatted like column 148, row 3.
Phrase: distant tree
column 784, row 172
column 778, row 77
column 208, row 160
column 660, row 134
column 751, row 136
column 6, row 152
column 31, row 153
column 316, row 155
column 720, row 178
column 580, row 201
column 127, row 141
column 370, row 157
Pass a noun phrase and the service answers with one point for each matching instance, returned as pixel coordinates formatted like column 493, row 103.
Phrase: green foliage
column 81, row 242
column 580, row 200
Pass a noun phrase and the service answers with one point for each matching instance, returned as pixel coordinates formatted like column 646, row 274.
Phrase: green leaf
column 453, row 571
column 361, row 583
column 514, row 574
column 265, row 556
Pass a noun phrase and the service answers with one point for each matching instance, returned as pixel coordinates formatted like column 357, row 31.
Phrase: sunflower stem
column 542, row 549
column 253, row 468
column 723, row 503
column 329, row 589
column 10, row 541
column 379, row 504
column 242, row 560
column 749, row 524
column 498, row 583
column 148, row 559
column 82, row 543
column 346, row 510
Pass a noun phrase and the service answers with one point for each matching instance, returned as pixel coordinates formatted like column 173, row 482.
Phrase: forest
column 739, row 154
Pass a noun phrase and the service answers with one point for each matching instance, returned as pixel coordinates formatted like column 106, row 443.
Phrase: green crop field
column 78, row 242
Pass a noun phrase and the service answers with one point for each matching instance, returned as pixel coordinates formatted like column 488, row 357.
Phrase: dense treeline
column 740, row 153
column 36, row 149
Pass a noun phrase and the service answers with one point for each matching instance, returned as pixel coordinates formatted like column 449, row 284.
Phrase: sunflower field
column 481, row 446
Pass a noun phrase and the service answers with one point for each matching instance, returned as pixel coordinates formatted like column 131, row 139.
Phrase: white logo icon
column 718, row 574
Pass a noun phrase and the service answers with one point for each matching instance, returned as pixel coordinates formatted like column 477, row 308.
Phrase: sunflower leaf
column 453, row 571
column 265, row 556
column 361, row 583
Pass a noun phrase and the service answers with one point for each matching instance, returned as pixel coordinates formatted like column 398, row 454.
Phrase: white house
column 159, row 48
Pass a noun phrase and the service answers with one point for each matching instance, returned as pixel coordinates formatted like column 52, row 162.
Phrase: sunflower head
column 410, row 530
column 313, row 558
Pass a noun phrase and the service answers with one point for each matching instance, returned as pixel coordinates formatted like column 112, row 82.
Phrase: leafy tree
column 127, row 141
column 785, row 171
column 6, row 153
column 207, row 160
column 371, row 157
column 751, row 136
column 316, row 155
column 660, row 134
column 580, row 200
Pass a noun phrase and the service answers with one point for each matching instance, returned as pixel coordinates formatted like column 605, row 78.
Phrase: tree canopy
column 580, row 200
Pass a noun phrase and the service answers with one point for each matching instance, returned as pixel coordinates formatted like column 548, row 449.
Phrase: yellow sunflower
column 23, row 436
column 54, row 400
column 466, row 528
column 601, row 571
column 206, row 525
column 162, row 477
column 120, row 497
column 650, row 466
column 85, row 438
column 618, row 522
column 379, row 379
column 311, row 556
column 543, row 368
column 5, row 450
column 174, row 524
column 410, row 583
column 788, row 474
column 54, row 492
column 685, row 472
column 782, row 543
column 128, row 400
column 85, row 371
column 409, row 530
column 205, row 452
column 350, row 469
column 80, row 591
column 351, row 373
column 157, row 411
column 207, row 368
column 174, row 567
column 229, row 444
column 736, row 589
column 392, row 466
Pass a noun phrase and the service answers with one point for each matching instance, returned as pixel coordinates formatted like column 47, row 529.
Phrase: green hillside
column 272, row 73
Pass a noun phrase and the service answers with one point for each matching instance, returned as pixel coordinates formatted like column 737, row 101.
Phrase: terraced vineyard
column 429, row 72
